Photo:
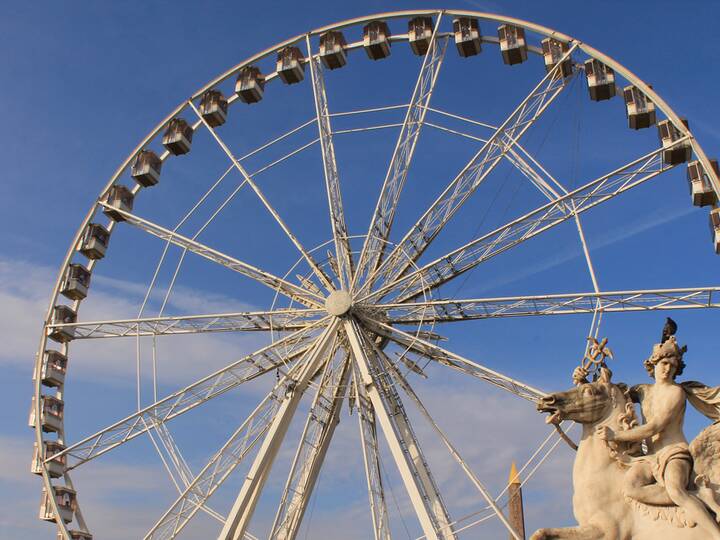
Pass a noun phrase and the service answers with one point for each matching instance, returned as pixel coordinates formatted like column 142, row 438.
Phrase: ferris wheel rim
column 542, row 30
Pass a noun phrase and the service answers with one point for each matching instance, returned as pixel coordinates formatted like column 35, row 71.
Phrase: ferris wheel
column 355, row 317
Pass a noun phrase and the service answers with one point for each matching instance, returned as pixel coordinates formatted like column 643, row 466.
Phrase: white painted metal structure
column 348, row 308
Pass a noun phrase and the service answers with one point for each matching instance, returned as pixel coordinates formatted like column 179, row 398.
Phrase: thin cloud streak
column 613, row 237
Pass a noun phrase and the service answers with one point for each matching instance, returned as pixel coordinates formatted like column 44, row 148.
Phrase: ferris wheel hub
column 338, row 303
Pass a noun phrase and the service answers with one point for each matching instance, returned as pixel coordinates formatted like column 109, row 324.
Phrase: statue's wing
column 705, row 449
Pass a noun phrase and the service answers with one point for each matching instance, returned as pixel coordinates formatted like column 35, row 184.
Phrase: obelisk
column 515, row 503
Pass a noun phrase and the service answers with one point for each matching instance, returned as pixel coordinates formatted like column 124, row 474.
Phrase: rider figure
column 662, row 476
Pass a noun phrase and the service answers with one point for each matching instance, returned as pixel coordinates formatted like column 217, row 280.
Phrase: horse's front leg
column 588, row 532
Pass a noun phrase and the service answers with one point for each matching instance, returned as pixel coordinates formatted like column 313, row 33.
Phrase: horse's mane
column 623, row 452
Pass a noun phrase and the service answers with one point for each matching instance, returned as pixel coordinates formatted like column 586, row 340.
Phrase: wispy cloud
column 569, row 253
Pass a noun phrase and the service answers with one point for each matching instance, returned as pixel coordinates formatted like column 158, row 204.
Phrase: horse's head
column 587, row 403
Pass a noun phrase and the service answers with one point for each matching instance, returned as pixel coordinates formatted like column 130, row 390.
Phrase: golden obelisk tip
column 514, row 477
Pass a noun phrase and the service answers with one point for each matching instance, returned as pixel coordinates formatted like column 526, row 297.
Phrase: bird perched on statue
column 668, row 330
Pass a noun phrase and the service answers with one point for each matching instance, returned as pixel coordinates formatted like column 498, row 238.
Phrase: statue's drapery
column 704, row 398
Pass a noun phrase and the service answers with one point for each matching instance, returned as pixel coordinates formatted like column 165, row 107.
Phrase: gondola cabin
column 467, row 36
column 376, row 40
column 62, row 314
column 553, row 53
column 214, row 108
column 54, row 368
column 290, row 65
column 118, row 198
column 146, row 168
column 600, row 80
column 94, row 242
column 51, row 414
column 75, row 282
column 513, row 46
column 250, row 84
column 56, row 466
column 639, row 108
column 701, row 189
column 332, row 49
column 674, row 153
column 78, row 535
column 420, row 30
column 715, row 228
column 65, row 498
column 178, row 137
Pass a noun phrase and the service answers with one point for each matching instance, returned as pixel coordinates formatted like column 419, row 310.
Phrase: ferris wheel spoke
column 384, row 214
column 319, row 428
column 402, row 382
column 452, row 264
column 271, row 357
column 320, row 274
column 424, row 231
column 282, row 320
column 419, row 483
column 343, row 252
column 222, row 464
column 371, row 458
column 244, row 506
column 307, row 298
column 442, row 311
column 454, row 361
column 175, row 464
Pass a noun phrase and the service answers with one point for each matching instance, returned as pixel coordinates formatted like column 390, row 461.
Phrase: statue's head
column 666, row 361
column 587, row 403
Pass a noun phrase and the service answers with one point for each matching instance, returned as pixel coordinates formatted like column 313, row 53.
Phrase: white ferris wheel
column 354, row 317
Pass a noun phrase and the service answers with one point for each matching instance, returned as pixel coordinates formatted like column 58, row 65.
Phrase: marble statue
column 640, row 480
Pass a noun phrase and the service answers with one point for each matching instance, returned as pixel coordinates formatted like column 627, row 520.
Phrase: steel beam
column 244, row 506
column 278, row 284
column 323, row 417
column 332, row 177
column 281, row 320
column 455, row 361
column 468, row 256
column 274, row 356
column 424, row 231
column 381, row 222
column 389, row 411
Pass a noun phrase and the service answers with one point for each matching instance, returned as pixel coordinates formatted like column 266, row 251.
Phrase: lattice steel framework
column 346, row 310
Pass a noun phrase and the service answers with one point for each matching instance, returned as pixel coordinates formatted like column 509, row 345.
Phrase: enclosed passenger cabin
column 639, row 108
column 332, row 49
column 65, row 498
column 62, row 314
column 118, row 198
column 76, row 282
column 178, row 137
column 146, row 169
column 553, row 52
column 51, row 414
column 467, row 36
column 420, row 30
column 600, row 80
column 674, row 153
column 78, row 535
column 54, row 368
column 214, row 108
column 56, row 466
column 94, row 242
column 290, row 65
column 715, row 228
column 250, row 84
column 376, row 40
column 512, row 44
column 701, row 189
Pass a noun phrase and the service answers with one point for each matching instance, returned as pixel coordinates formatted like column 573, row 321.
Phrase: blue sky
column 83, row 83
